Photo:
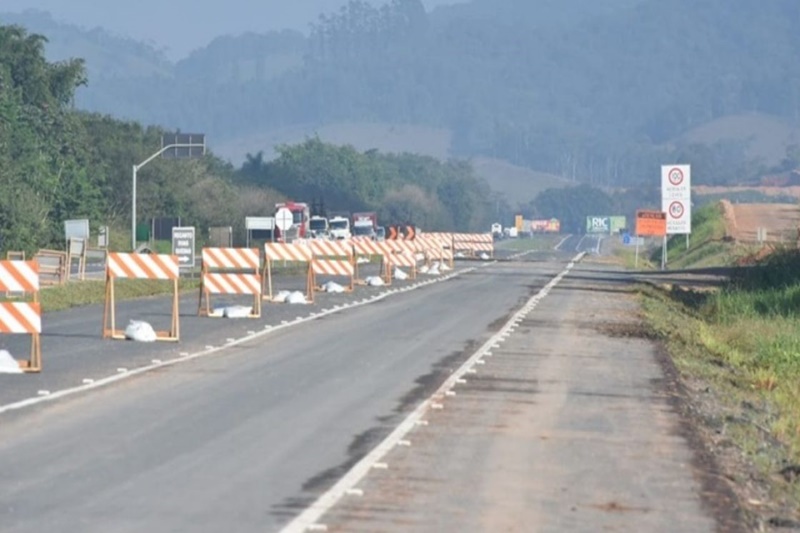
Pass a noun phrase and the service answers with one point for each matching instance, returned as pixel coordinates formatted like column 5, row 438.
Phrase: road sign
column 76, row 229
column 259, row 223
column 284, row 219
column 598, row 224
column 676, row 198
column 183, row 246
column 651, row 223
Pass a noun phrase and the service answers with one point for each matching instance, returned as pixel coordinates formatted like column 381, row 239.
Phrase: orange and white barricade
column 333, row 259
column 445, row 242
column 402, row 255
column 140, row 267
column 474, row 244
column 233, row 271
column 296, row 252
column 366, row 247
column 22, row 317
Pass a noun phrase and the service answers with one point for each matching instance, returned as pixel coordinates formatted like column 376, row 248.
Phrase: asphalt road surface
column 566, row 430
column 588, row 243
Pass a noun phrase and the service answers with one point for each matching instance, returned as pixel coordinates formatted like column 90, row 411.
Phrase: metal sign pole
column 636, row 261
column 664, row 254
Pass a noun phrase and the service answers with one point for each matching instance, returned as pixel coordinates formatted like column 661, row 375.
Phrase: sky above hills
column 180, row 26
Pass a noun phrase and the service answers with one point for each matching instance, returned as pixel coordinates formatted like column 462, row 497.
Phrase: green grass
column 91, row 292
column 707, row 243
column 743, row 341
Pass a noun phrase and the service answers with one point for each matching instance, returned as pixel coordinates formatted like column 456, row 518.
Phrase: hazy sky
column 180, row 26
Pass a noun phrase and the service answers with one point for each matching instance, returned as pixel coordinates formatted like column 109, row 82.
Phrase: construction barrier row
column 225, row 271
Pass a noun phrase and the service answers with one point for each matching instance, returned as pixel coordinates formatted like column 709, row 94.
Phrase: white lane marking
column 562, row 241
column 578, row 246
column 599, row 242
column 123, row 374
column 329, row 499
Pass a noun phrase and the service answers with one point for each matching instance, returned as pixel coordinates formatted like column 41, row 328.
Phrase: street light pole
column 133, row 182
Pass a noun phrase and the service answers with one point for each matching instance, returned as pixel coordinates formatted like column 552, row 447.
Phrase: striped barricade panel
column 227, row 283
column 142, row 266
column 321, row 248
column 22, row 317
column 19, row 276
column 397, row 255
column 333, row 267
column 161, row 267
column 295, row 252
column 276, row 251
column 231, row 259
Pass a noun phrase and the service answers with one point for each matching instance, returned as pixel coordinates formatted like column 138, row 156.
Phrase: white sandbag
column 399, row 274
column 296, row 297
column 140, row 332
column 375, row 281
column 444, row 268
column 333, row 287
column 485, row 256
column 238, row 311
column 420, row 257
column 281, row 297
column 459, row 254
column 8, row 365
column 362, row 260
column 433, row 271
column 423, row 269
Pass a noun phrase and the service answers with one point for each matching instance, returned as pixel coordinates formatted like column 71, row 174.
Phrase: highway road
column 259, row 435
column 588, row 243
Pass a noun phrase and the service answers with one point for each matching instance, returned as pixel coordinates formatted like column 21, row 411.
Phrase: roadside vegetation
column 708, row 244
column 737, row 347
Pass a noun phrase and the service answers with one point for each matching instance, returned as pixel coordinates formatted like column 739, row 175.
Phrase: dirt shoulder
column 574, row 423
column 770, row 223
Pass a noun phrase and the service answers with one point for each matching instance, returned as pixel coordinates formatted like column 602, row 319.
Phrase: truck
column 300, row 220
column 319, row 228
column 365, row 224
column 339, row 228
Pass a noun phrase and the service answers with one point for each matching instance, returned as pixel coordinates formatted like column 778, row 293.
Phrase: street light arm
column 164, row 149
column 133, row 184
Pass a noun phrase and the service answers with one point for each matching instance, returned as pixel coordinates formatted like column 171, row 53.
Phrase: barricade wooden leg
column 108, row 314
column 176, row 331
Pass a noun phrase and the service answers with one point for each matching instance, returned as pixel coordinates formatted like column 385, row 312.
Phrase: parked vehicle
column 319, row 228
column 380, row 234
column 300, row 220
column 339, row 228
column 365, row 224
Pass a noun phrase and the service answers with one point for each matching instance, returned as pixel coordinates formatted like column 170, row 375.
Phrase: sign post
column 183, row 240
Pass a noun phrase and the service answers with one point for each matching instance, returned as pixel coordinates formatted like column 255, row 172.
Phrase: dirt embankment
column 767, row 223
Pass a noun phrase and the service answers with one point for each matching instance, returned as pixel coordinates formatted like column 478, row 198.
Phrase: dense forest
column 57, row 163
column 594, row 91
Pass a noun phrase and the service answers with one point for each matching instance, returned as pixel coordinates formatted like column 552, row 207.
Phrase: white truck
column 339, row 228
column 319, row 228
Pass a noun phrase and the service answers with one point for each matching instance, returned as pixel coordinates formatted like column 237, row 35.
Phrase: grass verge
column 92, row 292
column 740, row 348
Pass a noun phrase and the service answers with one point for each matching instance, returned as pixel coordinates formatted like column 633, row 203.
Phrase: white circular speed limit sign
column 676, row 210
column 675, row 176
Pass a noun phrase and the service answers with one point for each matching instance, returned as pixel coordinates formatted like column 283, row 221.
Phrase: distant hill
column 106, row 55
column 597, row 91
column 766, row 136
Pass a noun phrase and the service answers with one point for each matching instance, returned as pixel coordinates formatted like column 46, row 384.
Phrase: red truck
column 365, row 224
